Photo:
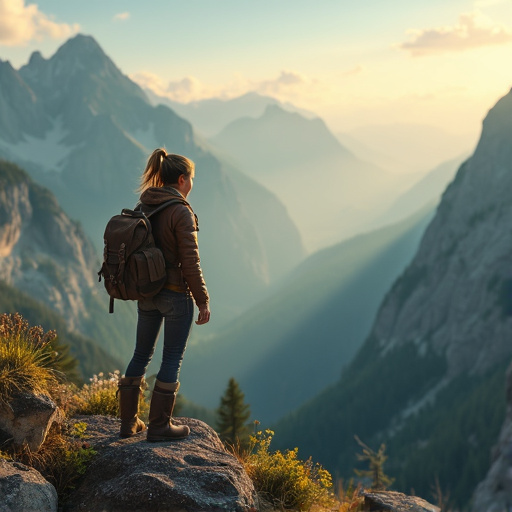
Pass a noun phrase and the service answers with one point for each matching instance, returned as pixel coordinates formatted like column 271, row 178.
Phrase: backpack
column 133, row 267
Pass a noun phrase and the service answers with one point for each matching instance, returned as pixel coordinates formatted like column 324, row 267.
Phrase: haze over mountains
column 296, row 341
column 407, row 148
column 427, row 190
column 306, row 165
column 210, row 116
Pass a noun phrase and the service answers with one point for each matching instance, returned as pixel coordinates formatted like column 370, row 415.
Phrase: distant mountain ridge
column 429, row 379
column 83, row 129
column 210, row 116
column 330, row 193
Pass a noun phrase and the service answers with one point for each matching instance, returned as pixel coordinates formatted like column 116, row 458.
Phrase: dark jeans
column 177, row 309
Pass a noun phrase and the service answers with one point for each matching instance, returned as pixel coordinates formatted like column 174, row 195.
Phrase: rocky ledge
column 188, row 475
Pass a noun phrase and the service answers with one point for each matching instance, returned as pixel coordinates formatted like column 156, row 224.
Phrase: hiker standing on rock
column 166, row 177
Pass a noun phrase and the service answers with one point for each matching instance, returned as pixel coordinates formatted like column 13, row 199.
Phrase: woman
column 166, row 177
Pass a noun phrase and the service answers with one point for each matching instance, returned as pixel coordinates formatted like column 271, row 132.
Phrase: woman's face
column 185, row 184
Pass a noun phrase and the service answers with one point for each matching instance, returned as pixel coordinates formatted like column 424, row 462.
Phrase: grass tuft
column 100, row 397
column 27, row 359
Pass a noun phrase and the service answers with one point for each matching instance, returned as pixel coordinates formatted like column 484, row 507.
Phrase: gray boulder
column 192, row 474
column 26, row 419
column 384, row 501
column 23, row 489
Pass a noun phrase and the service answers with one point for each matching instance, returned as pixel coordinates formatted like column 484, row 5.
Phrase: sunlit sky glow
column 436, row 62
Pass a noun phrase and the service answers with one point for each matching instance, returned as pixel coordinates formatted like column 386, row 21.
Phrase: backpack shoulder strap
column 162, row 206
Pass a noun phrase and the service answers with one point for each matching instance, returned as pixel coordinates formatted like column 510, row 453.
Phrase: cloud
column 286, row 81
column 122, row 16
column 187, row 89
column 288, row 86
column 473, row 30
column 356, row 70
column 20, row 24
column 149, row 81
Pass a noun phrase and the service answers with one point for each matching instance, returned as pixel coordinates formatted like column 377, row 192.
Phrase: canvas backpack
column 133, row 267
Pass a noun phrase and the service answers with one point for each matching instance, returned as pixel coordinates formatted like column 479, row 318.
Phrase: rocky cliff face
column 425, row 380
column 456, row 295
column 42, row 251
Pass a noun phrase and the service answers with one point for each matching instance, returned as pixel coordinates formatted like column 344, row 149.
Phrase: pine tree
column 380, row 481
column 232, row 416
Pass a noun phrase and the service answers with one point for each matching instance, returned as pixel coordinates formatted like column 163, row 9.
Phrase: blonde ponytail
column 151, row 177
column 163, row 169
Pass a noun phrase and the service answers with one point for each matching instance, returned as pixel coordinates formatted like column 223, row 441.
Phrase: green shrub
column 285, row 481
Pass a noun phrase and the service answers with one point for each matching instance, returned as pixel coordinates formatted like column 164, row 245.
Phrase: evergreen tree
column 380, row 481
column 232, row 416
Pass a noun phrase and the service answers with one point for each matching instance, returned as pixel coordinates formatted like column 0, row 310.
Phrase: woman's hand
column 204, row 314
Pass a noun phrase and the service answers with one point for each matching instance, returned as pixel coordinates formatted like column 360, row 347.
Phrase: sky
column 441, row 63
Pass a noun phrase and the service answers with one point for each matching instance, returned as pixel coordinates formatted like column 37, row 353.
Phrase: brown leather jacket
column 175, row 232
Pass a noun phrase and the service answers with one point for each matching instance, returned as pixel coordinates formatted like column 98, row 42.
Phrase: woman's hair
column 163, row 169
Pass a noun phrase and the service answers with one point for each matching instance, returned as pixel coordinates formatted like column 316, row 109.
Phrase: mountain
column 86, row 134
column 48, row 270
column 43, row 252
column 21, row 110
column 294, row 343
column 211, row 115
column 329, row 192
column 426, row 190
column 428, row 379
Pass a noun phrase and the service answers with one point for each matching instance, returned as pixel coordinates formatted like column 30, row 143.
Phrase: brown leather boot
column 160, row 426
column 128, row 393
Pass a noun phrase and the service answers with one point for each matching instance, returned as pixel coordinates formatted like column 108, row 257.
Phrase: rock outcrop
column 23, row 489
column 193, row 474
column 384, row 501
column 494, row 493
column 27, row 418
